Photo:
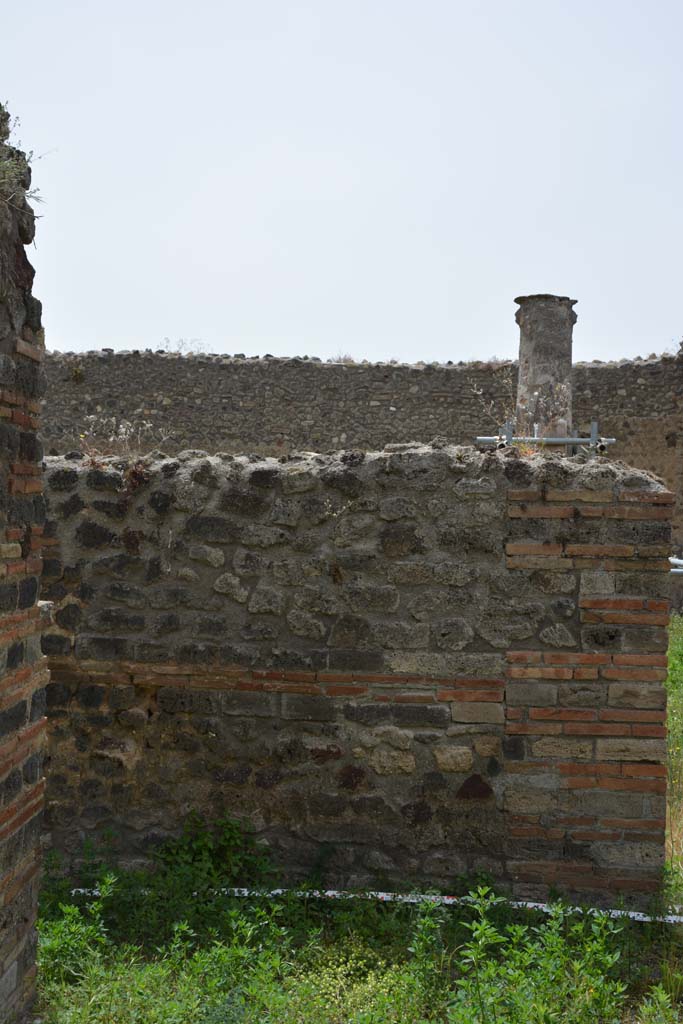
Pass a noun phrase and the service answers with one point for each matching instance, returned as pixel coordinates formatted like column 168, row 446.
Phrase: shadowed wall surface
column 399, row 665
column 23, row 672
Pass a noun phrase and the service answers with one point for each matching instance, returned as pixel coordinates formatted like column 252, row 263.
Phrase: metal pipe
column 545, row 440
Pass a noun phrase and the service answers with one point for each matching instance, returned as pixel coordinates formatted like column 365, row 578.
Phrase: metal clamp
column 506, row 438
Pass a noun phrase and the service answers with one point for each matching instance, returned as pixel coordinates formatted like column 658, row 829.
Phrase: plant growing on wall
column 109, row 435
column 15, row 169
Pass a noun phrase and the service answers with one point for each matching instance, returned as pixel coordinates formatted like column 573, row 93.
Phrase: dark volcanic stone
column 92, row 535
column 474, row 788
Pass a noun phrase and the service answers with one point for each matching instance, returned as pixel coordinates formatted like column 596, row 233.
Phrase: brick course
column 23, row 671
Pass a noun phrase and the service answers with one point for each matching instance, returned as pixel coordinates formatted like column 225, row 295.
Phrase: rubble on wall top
column 411, row 461
column 223, row 358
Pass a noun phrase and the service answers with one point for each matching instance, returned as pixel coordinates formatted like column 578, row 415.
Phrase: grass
column 162, row 947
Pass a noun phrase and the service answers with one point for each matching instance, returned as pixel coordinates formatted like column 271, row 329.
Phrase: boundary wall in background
column 399, row 666
column 274, row 406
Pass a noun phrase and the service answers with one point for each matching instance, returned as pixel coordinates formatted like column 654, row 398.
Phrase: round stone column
column 544, row 388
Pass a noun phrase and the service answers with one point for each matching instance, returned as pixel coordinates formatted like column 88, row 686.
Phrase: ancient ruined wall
column 23, row 672
column 271, row 406
column 400, row 666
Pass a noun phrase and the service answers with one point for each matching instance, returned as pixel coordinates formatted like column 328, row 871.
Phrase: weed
column 109, row 435
column 15, row 167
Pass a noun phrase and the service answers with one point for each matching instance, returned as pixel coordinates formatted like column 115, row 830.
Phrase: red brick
column 576, row 658
column 528, row 657
column 18, row 880
column 640, row 659
column 547, row 563
column 526, row 832
column 636, row 564
column 595, row 497
column 470, row 695
column 282, row 687
column 564, row 714
column 630, row 715
column 570, row 768
column 626, row 512
column 24, row 348
column 21, row 418
column 655, row 824
column 335, row 677
column 540, row 672
column 525, row 729
column 600, row 550
column 346, row 691
column 524, row 495
column 637, row 674
column 535, row 832
column 593, row 835
column 626, row 618
column 634, row 785
column 637, row 770
column 645, row 837
column 533, row 549
column 596, row 729
column 22, row 810
column 649, row 730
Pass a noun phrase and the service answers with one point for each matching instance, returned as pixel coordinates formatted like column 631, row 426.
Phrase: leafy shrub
column 183, row 885
column 563, row 970
column 72, row 940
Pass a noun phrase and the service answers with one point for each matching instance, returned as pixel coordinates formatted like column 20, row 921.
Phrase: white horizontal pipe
column 443, row 901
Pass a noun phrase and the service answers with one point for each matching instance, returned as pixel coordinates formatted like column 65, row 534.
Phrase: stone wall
column 23, row 673
column 272, row 406
column 399, row 666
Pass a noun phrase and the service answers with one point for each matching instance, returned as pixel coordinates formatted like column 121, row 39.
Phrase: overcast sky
column 372, row 177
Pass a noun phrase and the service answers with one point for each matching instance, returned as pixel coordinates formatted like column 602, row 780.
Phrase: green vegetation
column 165, row 947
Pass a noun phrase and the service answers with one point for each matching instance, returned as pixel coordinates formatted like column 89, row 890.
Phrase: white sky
column 373, row 177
